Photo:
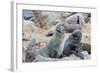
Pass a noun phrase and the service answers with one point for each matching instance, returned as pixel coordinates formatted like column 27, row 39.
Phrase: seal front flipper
column 77, row 52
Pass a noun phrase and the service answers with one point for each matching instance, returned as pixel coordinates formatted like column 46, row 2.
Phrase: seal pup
column 71, row 45
column 54, row 47
column 30, row 52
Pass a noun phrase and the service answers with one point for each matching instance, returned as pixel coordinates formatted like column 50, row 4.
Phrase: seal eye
column 59, row 31
column 75, row 36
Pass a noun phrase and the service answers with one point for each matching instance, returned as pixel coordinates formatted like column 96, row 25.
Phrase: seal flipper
column 78, row 53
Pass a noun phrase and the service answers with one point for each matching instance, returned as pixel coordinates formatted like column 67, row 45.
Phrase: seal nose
column 76, row 38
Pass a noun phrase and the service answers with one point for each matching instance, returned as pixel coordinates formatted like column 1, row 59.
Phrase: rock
column 52, row 30
column 86, row 55
column 87, row 17
column 75, row 19
column 71, row 27
column 25, row 39
column 85, row 47
column 28, row 26
column 27, row 14
column 74, row 22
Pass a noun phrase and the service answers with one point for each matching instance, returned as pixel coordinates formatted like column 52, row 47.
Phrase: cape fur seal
column 71, row 44
column 54, row 47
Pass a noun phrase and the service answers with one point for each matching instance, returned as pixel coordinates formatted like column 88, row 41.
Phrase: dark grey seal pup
column 71, row 45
